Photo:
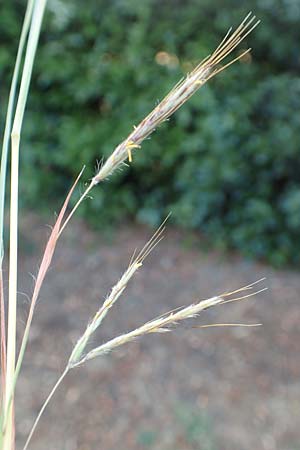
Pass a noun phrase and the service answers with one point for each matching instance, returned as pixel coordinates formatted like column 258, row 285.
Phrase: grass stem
column 12, row 291
column 8, row 121
column 53, row 390
column 37, row 16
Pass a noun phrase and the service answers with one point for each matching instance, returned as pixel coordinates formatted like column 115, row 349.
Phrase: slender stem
column 8, row 122
column 38, row 13
column 3, row 341
column 46, row 261
column 53, row 390
column 37, row 16
column 12, row 292
column 83, row 196
column 3, row 172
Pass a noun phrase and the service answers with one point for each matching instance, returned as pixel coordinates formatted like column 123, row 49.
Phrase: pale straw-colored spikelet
column 135, row 263
column 208, row 68
column 180, row 93
column 163, row 323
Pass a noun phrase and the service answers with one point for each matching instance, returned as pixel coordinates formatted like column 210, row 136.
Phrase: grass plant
column 11, row 359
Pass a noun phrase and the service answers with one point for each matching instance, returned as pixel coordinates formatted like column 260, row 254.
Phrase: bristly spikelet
column 181, row 92
column 116, row 292
column 163, row 323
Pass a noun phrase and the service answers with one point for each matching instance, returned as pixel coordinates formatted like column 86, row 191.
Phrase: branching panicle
column 163, row 323
column 181, row 92
column 114, row 295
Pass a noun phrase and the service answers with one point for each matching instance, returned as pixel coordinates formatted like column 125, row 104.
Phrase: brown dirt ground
column 192, row 389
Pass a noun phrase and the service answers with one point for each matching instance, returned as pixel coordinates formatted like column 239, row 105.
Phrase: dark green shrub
column 226, row 163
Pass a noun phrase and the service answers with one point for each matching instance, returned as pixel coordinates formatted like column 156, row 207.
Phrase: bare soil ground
column 192, row 389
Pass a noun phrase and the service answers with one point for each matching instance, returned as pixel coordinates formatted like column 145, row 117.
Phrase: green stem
column 37, row 16
column 8, row 121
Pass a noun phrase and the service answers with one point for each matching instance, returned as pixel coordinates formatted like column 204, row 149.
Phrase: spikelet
column 115, row 294
column 163, row 323
column 181, row 92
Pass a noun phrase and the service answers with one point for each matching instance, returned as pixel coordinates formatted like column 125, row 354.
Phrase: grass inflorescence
column 11, row 359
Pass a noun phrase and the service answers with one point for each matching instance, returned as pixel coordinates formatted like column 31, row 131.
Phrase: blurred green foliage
column 197, row 426
column 227, row 163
